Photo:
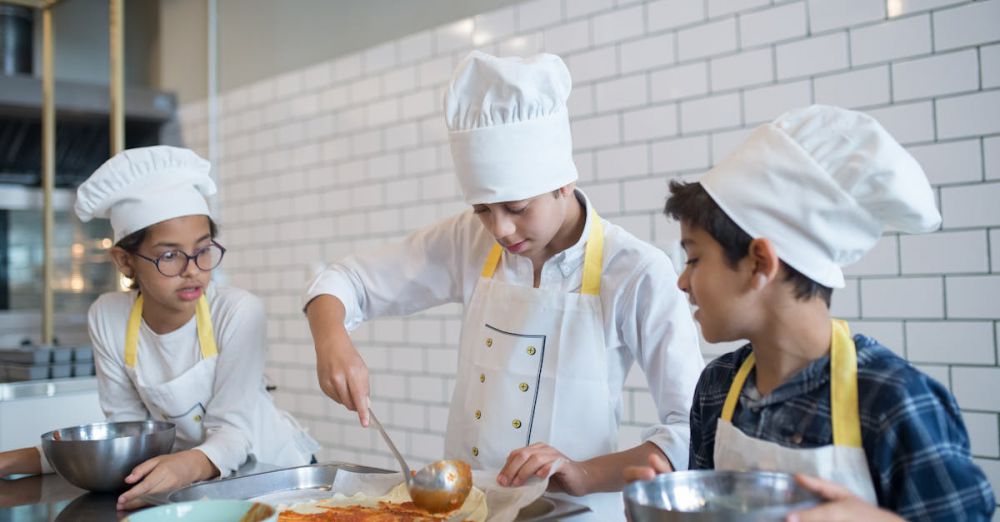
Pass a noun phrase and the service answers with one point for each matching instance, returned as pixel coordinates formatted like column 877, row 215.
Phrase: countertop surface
column 50, row 498
column 10, row 391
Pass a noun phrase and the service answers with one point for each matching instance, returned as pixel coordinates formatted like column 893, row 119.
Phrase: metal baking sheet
column 290, row 485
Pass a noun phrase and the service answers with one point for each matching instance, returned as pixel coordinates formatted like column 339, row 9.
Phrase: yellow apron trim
column 734, row 390
column 843, row 388
column 206, row 334
column 132, row 332
column 593, row 257
column 492, row 261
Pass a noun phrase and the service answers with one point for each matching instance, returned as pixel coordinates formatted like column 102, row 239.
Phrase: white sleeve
column 119, row 399
column 239, row 373
column 656, row 324
column 424, row 270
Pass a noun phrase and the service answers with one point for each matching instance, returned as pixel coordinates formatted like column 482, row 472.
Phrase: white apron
column 183, row 399
column 533, row 368
column 843, row 462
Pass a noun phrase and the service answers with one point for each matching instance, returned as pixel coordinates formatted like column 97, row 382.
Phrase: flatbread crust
column 393, row 506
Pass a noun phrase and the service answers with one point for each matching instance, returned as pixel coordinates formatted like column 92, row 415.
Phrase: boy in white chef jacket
column 176, row 348
column 558, row 302
column 766, row 233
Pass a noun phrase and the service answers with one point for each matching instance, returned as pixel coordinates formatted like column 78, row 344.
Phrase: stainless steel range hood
column 82, row 127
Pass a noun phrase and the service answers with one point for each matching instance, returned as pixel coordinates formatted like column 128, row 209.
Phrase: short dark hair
column 133, row 241
column 691, row 203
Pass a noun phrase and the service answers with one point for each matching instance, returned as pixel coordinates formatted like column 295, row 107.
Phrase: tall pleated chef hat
column 509, row 127
column 141, row 187
column 822, row 184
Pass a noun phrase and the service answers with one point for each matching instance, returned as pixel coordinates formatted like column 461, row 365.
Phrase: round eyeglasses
column 174, row 262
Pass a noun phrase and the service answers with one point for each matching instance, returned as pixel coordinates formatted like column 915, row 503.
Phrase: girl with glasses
column 176, row 348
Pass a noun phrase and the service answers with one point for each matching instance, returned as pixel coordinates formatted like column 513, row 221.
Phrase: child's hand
column 165, row 473
column 342, row 373
column 657, row 465
column 25, row 460
column 841, row 504
column 537, row 460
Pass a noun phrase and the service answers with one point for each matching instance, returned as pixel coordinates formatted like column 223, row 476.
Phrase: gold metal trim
column 48, row 172
column 116, row 28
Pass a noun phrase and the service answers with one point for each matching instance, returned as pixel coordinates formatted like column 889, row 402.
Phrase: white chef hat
column 508, row 126
column 144, row 186
column 822, row 183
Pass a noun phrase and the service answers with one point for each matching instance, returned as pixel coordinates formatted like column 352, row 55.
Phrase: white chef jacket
column 239, row 400
column 647, row 318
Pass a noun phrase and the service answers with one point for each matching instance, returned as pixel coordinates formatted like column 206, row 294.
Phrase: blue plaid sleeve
column 917, row 445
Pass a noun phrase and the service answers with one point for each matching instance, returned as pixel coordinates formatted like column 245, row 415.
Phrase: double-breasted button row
column 531, row 349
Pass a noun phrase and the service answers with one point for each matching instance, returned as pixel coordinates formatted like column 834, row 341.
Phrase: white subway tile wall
column 353, row 153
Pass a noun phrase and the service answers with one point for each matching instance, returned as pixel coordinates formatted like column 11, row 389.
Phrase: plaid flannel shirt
column 911, row 429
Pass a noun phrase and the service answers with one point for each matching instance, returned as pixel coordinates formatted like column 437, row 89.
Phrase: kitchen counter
column 10, row 391
column 31, row 408
column 48, row 498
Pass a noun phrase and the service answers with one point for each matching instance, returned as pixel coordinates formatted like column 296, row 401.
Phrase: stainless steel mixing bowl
column 722, row 496
column 99, row 456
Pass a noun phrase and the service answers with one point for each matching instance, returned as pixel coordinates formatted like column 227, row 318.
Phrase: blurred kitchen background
column 323, row 119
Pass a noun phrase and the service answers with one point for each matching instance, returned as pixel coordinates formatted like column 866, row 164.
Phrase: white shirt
column 646, row 317
column 239, row 406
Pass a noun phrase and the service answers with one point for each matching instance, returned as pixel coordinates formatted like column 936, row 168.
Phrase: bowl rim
column 630, row 490
column 158, row 427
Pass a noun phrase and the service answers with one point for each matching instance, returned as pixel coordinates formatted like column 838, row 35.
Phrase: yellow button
column 482, row 377
column 475, row 451
column 531, row 350
column 516, row 424
column 523, row 386
column 489, row 342
column 197, row 418
column 479, row 414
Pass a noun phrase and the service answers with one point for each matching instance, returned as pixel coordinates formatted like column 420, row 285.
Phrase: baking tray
column 26, row 355
column 303, row 483
column 12, row 372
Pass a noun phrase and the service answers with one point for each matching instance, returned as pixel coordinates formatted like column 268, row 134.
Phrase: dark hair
column 133, row 241
column 692, row 204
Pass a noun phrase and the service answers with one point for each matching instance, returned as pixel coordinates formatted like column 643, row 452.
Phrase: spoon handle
column 385, row 436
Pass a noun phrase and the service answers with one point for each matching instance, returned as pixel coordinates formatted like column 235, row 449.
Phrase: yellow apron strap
column 593, row 257
column 734, row 390
column 844, row 387
column 132, row 332
column 492, row 261
column 206, row 336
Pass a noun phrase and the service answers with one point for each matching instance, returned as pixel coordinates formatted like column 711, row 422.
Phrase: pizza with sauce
column 393, row 506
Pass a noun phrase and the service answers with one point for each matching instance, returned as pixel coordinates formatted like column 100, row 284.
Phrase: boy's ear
column 765, row 262
column 123, row 261
column 566, row 190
